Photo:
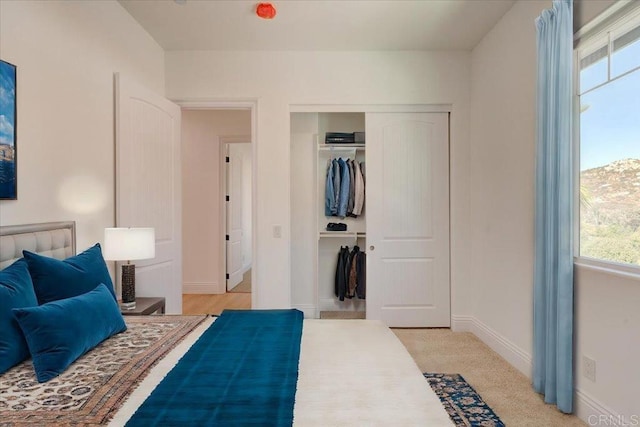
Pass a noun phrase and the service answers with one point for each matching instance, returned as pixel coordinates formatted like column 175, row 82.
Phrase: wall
column 304, row 224
column 585, row 10
column 66, row 53
column 606, row 330
column 279, row 79
column 503, row 80
column 502, row 179
column 202, row 231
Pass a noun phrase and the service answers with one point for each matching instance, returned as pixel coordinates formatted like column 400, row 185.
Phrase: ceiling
column 318, row 24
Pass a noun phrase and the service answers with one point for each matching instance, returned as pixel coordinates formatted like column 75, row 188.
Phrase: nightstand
column 146, row 306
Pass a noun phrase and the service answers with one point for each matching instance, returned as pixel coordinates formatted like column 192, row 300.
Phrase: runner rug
column 95, row 385
column 463, row 404
column 242, row 371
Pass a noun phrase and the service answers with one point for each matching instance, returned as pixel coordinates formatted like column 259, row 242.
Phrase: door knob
column 371, row 247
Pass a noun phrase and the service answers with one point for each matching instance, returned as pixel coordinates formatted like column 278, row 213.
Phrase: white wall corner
column 201, row 288
column 309, row 310
column 513, row 354
column 595, row 413
column 517, row 357
column 586, row 407
column 461, row 323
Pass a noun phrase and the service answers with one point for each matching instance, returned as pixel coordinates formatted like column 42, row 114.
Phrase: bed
column 341, row 372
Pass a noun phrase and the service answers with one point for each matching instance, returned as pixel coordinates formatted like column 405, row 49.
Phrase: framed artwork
column 8, row 147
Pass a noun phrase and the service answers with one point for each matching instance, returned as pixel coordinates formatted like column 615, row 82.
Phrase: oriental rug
column 95, row 386
column 463, row 404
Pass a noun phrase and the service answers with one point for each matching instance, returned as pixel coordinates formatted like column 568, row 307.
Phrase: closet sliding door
column 407, row 177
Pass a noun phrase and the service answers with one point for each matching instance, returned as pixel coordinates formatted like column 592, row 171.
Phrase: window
column 609, row 135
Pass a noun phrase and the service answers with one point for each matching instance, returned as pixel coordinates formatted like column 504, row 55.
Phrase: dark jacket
column 342, row 273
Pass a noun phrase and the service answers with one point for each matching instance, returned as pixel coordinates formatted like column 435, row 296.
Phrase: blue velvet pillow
column 54, row 279
column 61, row 331
column 16, row 291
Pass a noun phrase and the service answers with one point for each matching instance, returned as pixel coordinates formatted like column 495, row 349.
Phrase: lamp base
column 128, row 305
column 129, row 286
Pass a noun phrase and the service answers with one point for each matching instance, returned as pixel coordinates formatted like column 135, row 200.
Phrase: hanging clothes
column 329, row 194
column 344, row 188
column 350, row 278
column 357, row 274
column 358, row 186
column 341, row 278
column 353, row 273
column 336, row 186
column 361, row 271
column 352, row 187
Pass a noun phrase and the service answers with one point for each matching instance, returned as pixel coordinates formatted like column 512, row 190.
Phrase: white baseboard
column 513, row 354
column 309, row 310
column 595, row 413
column 462, row 323
column 333, row 304
column 586, row 407
column 200, row 288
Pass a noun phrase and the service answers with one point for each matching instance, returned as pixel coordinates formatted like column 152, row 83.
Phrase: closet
column 403, row 227
column 329, row 243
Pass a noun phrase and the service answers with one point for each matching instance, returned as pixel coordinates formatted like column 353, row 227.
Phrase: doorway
column 237, row 165
column 210, row 130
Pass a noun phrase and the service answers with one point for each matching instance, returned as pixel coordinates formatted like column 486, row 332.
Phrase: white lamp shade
column 127, row 244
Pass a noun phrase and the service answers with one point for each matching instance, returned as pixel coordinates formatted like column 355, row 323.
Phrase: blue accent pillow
column 16, row 291
column 61, row 331
column 54, row 279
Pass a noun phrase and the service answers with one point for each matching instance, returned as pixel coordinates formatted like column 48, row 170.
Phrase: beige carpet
column 245, row 285
column 507, row 391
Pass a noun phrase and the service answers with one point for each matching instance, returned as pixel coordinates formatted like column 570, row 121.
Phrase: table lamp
column 129, row 244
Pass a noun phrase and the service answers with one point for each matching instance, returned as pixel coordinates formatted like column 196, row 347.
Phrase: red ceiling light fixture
column 265, row 10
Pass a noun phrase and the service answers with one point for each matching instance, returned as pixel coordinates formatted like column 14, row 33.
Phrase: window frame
column 615, row 21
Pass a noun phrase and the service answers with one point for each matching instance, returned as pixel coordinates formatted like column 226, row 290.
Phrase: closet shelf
column 342, row 234
column 340, row 147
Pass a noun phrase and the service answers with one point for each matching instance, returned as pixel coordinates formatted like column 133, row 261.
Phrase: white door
column 148, row 192
column 407, row 205
column 234, row 217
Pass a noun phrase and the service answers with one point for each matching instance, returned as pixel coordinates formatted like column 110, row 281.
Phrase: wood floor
column 214, row 304
column 245, row 284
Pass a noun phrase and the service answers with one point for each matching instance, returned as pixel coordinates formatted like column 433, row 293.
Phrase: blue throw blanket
column 242, row 371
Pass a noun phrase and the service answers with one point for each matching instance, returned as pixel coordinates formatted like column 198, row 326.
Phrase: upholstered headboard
column 52, row 239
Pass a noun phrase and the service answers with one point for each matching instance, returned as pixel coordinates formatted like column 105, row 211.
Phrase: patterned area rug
column 464, row 406
column 95, row 386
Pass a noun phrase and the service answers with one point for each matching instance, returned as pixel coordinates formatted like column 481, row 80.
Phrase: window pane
column 610, row 171
column 626, row 52
column 593, row 69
